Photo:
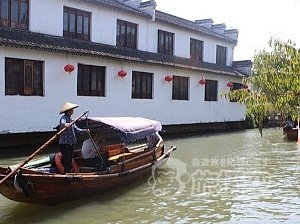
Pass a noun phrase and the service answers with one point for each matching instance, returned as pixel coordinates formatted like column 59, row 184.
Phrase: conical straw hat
column 67, row 106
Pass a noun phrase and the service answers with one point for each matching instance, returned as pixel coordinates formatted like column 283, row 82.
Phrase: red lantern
column 69, row 68
column 122, row 73
column 168, row 78
column 202, row 81
column 230, row 84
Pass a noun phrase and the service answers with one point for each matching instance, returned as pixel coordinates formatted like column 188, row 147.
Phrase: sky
column 256, row 20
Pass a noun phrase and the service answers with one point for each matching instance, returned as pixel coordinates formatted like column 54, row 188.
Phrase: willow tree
column 275, row 82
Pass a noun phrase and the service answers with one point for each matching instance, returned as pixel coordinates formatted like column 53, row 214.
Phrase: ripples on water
column 224, row 178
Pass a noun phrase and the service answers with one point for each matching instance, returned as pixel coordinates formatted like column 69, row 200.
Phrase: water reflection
column 225, row 178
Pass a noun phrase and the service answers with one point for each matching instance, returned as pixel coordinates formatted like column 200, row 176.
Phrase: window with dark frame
column 211, row 90
column 236, row 86
column 221, row 55
column 126, row 34
column 142, row 84
column 14, row 14
column 24, row 77
column 180, row 88
column 196, row 50
column 76, row 23
column 165, row 42
column 90, row 80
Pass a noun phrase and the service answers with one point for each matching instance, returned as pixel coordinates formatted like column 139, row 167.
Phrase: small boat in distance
column 39, row 181
column 290, row 131
column 291, row 134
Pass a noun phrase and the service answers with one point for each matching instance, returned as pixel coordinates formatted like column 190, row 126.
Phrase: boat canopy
column 128, row 128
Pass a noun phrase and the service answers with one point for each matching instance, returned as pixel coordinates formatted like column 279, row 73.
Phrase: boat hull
column 292, row 134
column 47, row 188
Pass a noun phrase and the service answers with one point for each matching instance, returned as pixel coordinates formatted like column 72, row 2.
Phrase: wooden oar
column 39, row 149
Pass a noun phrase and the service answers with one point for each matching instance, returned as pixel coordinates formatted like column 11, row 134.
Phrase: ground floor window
column 142, row 83
column 180, row 89
column 235, row 86
column 211, row 90
column 90, row 80
column 24, row 77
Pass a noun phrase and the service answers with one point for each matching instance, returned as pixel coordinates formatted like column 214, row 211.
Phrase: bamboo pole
column 39, row 149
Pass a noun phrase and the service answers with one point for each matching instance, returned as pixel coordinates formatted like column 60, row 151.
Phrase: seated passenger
column 154, row 140
column 92, row 152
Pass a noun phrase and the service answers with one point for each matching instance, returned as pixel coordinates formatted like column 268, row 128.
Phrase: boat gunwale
column 36, row 173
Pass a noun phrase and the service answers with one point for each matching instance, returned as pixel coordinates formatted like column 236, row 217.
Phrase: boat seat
column 116, row 157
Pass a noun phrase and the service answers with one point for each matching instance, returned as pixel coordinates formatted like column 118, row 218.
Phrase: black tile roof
column 57, row 44
column 161, row 17
column 115, row 4
column 190, row 25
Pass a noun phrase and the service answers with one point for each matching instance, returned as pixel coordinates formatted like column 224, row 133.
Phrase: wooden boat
column 290, row 132
column 39, row 181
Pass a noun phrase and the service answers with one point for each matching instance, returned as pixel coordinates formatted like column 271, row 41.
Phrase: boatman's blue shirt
column 68, row 136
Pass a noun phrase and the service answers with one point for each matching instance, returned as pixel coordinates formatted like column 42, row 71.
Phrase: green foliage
column 277, row 75
column 275, row 83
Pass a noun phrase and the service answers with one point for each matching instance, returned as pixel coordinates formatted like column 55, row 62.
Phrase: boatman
column 67, row 138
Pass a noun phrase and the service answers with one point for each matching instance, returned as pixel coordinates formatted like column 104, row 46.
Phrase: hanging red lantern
column 122, row 73
column 69, row 68
column 168, row 78
column 230, row 84
column 202, row 81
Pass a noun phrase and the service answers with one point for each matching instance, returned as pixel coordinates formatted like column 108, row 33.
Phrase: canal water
column 224, row 178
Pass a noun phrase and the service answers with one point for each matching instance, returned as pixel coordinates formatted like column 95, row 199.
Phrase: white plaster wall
column 209, row 54
column 103, row 20
column 230, row 50
column 46, row 17
column 148, row 36
column 182, row 43
column 35, row 113
column 103, row 28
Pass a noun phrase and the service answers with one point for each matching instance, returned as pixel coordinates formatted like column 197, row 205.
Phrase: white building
column 38, row 38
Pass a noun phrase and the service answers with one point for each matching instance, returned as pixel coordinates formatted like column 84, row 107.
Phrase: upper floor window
column 221, row 55
column 14, row 13
column 23, row 77
column 211, row 90
column 165, row 42
column 126, row 34
column 90, row 80
column 180, row 90
column 196, row 49
column 76, row 23
column 142, row 83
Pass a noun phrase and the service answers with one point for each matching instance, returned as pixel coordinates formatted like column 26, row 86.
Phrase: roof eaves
column 42, row 42
column 116, row 5
column 190, row 25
